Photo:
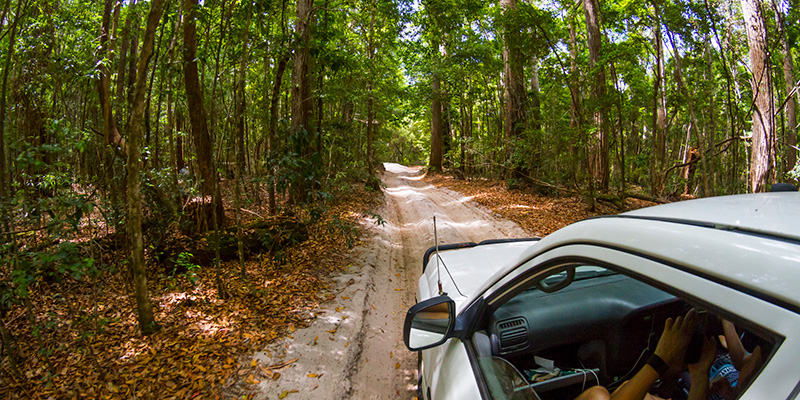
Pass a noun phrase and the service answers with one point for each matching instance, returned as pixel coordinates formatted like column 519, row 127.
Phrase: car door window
column 599, row 327
column 504, row 381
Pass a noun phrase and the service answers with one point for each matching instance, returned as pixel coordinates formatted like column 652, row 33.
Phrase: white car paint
column 727, row 262
column 462, row 272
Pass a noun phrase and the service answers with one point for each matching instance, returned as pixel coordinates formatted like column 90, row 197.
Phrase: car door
column 678, row 277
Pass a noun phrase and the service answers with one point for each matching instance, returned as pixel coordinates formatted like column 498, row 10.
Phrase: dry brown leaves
column 196, row 354
column 540, row 215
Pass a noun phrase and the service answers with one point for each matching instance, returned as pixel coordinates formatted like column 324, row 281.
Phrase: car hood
column 463, row 271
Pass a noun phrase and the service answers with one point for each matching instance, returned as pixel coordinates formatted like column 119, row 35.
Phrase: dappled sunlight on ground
column 518, row 206
column 95, row 347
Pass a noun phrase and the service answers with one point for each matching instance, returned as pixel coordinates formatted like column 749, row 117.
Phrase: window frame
column 525, row 274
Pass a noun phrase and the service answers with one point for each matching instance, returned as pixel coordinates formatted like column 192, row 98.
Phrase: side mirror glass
column 429, row 323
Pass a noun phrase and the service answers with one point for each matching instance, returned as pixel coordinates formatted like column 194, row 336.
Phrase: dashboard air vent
column 513, row 334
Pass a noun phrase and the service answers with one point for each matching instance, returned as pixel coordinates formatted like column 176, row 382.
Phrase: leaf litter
column 197, row 352
column 539, row 214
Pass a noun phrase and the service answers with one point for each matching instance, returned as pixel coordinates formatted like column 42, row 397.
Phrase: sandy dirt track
column 354, row 348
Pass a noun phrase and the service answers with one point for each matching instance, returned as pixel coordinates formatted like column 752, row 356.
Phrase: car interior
column 583, row 326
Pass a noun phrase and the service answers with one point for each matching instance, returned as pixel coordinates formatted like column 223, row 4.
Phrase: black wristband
column 658, row 364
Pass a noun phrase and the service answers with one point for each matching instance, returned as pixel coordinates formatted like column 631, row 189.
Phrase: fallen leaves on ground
column 87, row 343
column 538, row 214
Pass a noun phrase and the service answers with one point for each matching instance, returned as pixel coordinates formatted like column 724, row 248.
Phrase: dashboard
column 604, row 323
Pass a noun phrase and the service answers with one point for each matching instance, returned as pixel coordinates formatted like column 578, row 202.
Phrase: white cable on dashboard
column 584, row 370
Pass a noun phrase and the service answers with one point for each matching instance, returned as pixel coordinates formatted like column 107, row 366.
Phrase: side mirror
column 429, row 323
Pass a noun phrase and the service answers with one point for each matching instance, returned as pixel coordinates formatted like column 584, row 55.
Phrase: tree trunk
column 273, row 127
column 762, row 158
column 194, row 101
column 121, row 71
column 110, row 131
column 147, row 322
column 224, row 22
column 598, row 157
column 709, row 130
column 172, row 116
column 447, row 130
column 791, row 101
column 132, row 59
column 241, row 106
column 462, row 127
column 659, row 108
column 694, row 125
column 732, row 175
column 180, row 126
column 370, row 110
column 301, row 90
column 435, row 162
column 575, row 95
column 5, row 177
column 513, row 78
column 620, row 138
column 536, row 108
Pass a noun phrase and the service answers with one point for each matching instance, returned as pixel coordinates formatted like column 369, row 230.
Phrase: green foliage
column 377, row 217
column 794, row 173
column 189, row 268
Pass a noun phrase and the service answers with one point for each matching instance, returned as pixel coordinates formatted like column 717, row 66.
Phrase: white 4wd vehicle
column 546, row 319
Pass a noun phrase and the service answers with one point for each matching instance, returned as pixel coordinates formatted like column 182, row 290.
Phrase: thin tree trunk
column 536, row 108
column 435, row 162
column 659, row 108
column 370, row 115
column 574, row 91
column 5, row 177
column 172, row 124
column 241, row 106
column 273, row 128
column 121, row 71
column 598, row 159
column 732, row 174
column 694, row 125
column 147, row 322
column 212, row 115
column 791, row 101
column 620, row 139
column 110, row 132
column 132, row 59
column 149, row 100
column 710, row 130
column 513, row 78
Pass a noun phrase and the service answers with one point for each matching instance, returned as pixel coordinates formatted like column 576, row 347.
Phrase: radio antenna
column 436, row 243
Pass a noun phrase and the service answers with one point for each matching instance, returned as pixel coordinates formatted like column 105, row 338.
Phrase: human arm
column 735, row 347
column 750, row 364
column 746, row 363
column 671, row 348
column 699, row 371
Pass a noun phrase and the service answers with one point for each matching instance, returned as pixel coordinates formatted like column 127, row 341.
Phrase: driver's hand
column 707, row 357
column 675, row 338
